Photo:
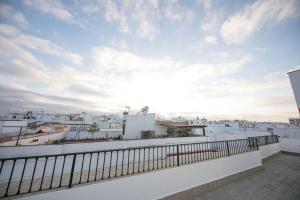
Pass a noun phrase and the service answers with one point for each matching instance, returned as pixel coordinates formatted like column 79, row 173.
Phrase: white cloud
column 253, row 17
column 139, row 17
column 16, row 39
column 8, row 30
column 173, row 11
column 212, row 17
column 211, row 39
column 53, row 7
column 10, row 13
column 48, row 47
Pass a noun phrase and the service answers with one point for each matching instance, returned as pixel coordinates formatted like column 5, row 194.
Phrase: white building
column 147, row 125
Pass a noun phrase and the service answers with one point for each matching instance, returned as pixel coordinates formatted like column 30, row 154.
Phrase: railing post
column 177, row 155
column 256, row 142
column 228, row 152
column 72, row 171
column 250, row 141
column 19, row 136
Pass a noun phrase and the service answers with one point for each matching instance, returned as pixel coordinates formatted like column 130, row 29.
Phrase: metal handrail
column 266, row 139
column 21, row 175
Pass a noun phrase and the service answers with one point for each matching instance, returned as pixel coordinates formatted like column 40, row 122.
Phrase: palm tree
column 93, row 128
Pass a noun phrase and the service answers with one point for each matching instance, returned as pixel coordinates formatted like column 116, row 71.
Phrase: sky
column 213, row 59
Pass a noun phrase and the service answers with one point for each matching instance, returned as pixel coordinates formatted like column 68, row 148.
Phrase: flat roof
column 293, row 70
column 179, row 124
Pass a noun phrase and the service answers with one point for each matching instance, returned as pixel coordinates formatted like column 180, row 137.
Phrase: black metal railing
column 37, row 173
column 266, row 139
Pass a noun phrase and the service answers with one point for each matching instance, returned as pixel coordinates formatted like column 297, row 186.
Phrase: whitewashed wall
column 161, row 183
column 7, row 152
column 290, row 145
column 137, row 123
column 288, row 132
column 268, row 150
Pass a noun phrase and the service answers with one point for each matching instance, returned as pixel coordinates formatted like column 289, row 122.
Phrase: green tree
column 93, row 128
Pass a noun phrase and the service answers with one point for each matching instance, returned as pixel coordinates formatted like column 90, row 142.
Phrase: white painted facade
column 11, row 130
column 295, row 82
column 290, row 145
column 137, row 123
column 268, row 150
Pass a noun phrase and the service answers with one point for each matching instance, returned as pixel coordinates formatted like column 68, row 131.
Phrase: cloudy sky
column 194, row 58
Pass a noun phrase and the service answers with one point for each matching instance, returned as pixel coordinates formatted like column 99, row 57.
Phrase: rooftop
column 279, row 179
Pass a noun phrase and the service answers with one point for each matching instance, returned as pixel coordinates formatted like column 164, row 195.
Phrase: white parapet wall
column 269, row 150
column 159, row 184
column 290, row 145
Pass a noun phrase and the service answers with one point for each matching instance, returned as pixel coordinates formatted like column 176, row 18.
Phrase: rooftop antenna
column 143, row 110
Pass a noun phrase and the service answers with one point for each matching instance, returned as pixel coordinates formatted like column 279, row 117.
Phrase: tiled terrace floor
column 279, row 179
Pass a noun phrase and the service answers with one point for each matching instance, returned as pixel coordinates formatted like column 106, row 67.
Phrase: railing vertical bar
column 43, row 175
column 240, row 146
column 122, row 162
column 189, row 153
column 161, row 158
column 62, row 171
column 173, row 160
column 34, row 168
column 116, row 171
column 193, row 152
column 184, row 153
column 128, row 162
column 88, row 175
column 2, row 163
column 157, row 148
column 72, row 170
column 103, row 166
column 177, row 154
column 234, row 146
column 97, row 163
column 228, row 149
column 10, row 177
column 237, row 145
column 200, row 151
column 54, row 166
column 133, row 168
column 148, row 159
column 82, row 165
column 209, row 150
column 144, row 158
column 23, row 170
column 214, row 150
column 111, row 153
column 153, row 160
column 197, row 152
column 139, row 160
column 166, row 153
column 217, row 149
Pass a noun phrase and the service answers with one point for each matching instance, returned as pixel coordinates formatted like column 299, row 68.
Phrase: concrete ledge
column 196, row 191
column 269, row 150
column 291, row 153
